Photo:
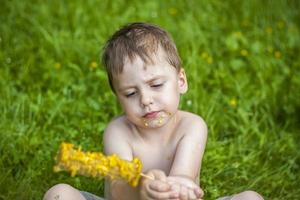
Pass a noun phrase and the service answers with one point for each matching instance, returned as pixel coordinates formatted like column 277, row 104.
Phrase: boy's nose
column 146, row 99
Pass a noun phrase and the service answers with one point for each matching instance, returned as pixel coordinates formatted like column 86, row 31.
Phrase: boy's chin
column 152, row 125
column 156, row 122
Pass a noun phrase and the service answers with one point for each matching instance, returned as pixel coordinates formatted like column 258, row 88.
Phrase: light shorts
column 90, row 196
column 225, row 198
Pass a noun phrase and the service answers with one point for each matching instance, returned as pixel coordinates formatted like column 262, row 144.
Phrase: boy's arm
column 190, row 149
column 188, row 157
column 116, row 142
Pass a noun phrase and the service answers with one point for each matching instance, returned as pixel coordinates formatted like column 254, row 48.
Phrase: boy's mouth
column 151, row 115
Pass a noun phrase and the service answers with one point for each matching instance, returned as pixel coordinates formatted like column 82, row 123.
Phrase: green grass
column 242, row 62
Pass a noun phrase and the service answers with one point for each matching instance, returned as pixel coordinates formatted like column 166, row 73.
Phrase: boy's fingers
column 199, row 192
column 159, row 186
column 184, row 193
column 175, row 187
column 191, row 194
column 163, row 195
column 159, row 175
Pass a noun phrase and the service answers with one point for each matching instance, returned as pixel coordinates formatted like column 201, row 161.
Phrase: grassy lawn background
column 241, row 59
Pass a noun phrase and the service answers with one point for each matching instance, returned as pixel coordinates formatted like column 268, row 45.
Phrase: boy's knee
column 248, row 195
column 62, row 192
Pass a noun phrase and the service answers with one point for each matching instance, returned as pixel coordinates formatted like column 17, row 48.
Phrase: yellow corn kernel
column 95, row 164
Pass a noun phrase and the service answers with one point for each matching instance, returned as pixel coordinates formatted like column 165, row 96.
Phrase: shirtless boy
column 146, row 75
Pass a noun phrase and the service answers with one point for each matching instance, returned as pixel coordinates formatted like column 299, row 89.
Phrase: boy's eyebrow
column 147, row 81
column 154, row 78
column 125, row 87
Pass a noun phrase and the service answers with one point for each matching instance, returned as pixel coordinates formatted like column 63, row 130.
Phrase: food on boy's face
column 155, row 119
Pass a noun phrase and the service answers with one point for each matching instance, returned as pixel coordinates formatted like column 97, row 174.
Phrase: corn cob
column 95, row 164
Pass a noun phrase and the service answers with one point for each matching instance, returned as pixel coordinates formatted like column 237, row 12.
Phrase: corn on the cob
column 96, row 164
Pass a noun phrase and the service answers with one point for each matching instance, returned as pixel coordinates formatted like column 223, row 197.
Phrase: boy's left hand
column 156, row 188
column 187, row 188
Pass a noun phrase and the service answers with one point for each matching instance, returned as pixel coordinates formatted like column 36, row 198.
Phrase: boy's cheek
column 126, row 106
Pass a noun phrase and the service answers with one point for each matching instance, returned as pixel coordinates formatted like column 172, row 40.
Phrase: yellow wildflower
column 93, row 65
column 57, row 65
column 269, row 30
column 204, row 55
column 173, row 11
column 238, row 34
column 209, row 60
column 233, row 103
column 244, row 52
column 277, row 54
column 207, row 57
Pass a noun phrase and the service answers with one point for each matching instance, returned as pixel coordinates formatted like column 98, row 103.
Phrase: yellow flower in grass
column 204, row 55
column 269, row 30
column 93, row 65
column 173, row 11
column 57, row 65
column 210, row 60
column 233, row 103
column 277, row 54
column 244, row 52
column 238, row 34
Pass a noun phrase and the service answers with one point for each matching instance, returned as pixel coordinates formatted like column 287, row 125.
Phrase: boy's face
column 149, row 93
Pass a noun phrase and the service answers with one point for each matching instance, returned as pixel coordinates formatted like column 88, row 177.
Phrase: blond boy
column 146, row 75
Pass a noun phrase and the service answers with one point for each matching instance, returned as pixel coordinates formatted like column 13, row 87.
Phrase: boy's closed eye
column 157, row 85
column 130, row 94
column 153, row 85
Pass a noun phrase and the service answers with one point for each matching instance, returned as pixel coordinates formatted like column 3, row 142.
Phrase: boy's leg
column 63, row 192
column 246, row 195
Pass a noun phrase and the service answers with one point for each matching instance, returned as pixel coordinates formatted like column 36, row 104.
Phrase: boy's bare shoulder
column 192, row 121
column 116, row 138
column 191, row 118
column 117, row 124
column 118, row 128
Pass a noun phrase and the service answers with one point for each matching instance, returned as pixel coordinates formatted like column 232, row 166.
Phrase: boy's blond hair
column 137, row 39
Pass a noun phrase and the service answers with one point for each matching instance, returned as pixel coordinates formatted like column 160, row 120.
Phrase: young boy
column 146, row 74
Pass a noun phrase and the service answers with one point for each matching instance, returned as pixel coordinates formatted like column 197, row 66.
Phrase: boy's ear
column 182, row 81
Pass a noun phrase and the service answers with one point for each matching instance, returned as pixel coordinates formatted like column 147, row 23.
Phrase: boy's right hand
column 158, row 188
column 188, row 189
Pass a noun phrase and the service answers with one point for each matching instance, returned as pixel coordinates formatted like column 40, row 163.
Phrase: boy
column 146, row 75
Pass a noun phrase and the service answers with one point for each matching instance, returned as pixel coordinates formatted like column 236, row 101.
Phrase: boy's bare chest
column 156, row 156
